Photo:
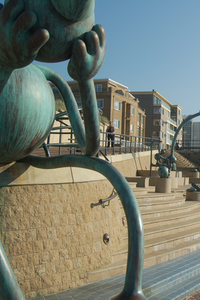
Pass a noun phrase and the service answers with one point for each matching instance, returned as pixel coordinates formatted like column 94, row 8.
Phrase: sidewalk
column 100, row 290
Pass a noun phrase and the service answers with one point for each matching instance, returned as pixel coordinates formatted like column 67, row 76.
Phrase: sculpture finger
column 79, row 51
column 12, row 10
column 92, row 43
column 25, row 22
column 37, row 40
column 78, row 60
column 101, row 34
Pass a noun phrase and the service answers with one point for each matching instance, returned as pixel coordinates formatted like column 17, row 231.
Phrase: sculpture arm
column 87, row 57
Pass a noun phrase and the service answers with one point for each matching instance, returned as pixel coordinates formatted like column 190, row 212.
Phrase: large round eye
column 74, row 10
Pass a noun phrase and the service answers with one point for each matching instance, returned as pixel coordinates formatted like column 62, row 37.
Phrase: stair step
column 171, row 228
column 184, row 209
column 154, row 245
column 145, row 206
column 155, row 204
column 172, row 252
column 158, row 222
column 166, row 230
column 156, row 275
column 151, row 196
column 139, row 191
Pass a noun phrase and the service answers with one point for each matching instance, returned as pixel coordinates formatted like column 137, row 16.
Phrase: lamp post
column 165, row 122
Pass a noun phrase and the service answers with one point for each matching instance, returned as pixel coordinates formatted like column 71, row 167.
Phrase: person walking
column 111, row 130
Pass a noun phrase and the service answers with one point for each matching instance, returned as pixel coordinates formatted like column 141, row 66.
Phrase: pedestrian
column 111, row 130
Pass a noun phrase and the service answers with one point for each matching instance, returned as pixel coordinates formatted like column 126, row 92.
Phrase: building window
column 179, row 112
column 117, row 105
column 132, row 111
column 131, row 127
column 155, row 133
column 158, row 110
column 98, row 88
column 161, row 134
column 168, row 115
column 142, row 122
column 138, row 120
column 100, row 103
column 156, row 100
column 156, row 122
column 117, row 124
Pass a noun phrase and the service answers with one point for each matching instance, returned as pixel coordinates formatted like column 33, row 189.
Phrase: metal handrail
column 102, row 201
column 123, row 143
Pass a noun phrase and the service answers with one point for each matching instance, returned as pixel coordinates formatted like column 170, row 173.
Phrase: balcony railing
column 172, row 121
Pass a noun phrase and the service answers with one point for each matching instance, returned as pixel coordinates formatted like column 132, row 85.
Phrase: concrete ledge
column 141, row 181
column 146, row 173
column 192, row 196
column 23, row 174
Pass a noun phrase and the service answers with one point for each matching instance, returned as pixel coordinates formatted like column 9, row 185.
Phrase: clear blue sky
column 152, row 44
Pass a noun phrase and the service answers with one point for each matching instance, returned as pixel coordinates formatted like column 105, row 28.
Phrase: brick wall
column 53, row 237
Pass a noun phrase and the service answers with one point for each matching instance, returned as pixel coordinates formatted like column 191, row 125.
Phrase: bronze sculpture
column 52, row 31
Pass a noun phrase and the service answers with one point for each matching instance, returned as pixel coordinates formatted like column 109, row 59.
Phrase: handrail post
column 113, row 144
column 131, row 145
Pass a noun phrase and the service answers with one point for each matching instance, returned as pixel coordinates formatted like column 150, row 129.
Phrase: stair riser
column 149, row 216
column 157, row 198
column 171, row 231
column 166, row 245
column 154, row 248
column 139, row 193
column 154, row 260
column 172, row 221
column 161, row 246
column 154, row 206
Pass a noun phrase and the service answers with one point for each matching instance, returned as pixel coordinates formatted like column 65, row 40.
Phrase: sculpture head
column 66, row 20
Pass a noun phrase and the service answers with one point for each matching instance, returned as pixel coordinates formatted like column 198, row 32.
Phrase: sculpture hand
column 19, row 43
column 88, row 55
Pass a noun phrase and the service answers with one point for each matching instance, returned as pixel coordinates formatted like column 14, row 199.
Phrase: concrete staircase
column 171, row 226
column 183, row 162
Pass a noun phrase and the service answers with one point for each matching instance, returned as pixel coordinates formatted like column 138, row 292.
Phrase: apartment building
column 118, row 105
column 162, row 117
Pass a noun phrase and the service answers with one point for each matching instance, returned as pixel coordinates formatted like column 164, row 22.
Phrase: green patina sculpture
column 53, row 31
column 164, row 165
